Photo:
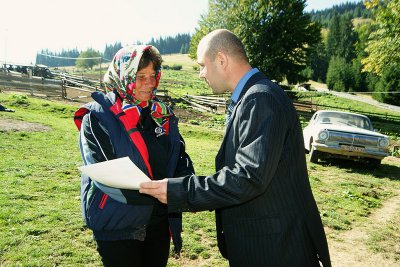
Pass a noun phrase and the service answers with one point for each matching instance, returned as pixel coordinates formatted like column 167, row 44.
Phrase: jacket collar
column 256, row 78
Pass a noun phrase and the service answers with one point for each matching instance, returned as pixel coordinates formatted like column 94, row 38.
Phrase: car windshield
column 345, row 119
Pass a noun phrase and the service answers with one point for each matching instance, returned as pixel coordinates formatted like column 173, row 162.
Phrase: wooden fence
column 33, row 85
column 77, row 87
column 214, row 104
column 71, row 87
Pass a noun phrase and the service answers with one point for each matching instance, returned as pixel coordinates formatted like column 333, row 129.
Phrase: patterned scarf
column 120, row 78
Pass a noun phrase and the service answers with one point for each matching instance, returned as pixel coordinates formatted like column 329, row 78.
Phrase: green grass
column 40, row 217
column 348, row 192
column 179, row 59
column 180, row 83
column 40, row 220
column 202, row 146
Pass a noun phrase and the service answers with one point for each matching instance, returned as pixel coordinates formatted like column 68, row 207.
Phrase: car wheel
column 314, row 155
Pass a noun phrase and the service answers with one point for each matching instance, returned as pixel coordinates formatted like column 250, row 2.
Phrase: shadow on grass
column 383, row 171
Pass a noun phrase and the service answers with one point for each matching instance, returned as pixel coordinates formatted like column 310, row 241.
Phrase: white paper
column 119, row 173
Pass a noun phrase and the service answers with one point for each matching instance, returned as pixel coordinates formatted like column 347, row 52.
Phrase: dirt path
column 18, row 126
column 349, row 249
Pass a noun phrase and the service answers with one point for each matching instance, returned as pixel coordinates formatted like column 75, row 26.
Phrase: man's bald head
column 224, row 41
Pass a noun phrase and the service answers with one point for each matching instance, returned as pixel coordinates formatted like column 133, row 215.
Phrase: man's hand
column 157, row 189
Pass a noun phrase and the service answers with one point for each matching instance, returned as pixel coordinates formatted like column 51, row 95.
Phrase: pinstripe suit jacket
column 266, row 214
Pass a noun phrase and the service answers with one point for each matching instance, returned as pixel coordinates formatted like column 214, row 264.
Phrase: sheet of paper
column 119, row 173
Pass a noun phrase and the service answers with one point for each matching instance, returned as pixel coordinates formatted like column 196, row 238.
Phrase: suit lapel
column 253, row 80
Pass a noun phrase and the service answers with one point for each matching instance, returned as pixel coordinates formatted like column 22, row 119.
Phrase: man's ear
column 222, row 60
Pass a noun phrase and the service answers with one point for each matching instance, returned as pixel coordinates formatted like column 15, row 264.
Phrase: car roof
column 340, row 112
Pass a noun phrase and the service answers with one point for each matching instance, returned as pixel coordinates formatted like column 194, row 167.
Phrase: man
column 266, row 214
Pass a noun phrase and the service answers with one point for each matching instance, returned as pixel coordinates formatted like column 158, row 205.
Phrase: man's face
column 210, row 71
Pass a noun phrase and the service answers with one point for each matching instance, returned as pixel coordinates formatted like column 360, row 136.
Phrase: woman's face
column 145, row 82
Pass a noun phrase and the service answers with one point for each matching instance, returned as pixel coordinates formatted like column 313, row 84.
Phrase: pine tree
column 333, row 38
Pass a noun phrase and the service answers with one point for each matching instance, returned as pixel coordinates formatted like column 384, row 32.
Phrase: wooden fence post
column 30, row 85
column 63, row 89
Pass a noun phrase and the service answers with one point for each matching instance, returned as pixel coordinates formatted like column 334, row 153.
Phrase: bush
column 182, row 105
column 194, row 122
column 176, row 67
column 20, row 100
column 396, row 151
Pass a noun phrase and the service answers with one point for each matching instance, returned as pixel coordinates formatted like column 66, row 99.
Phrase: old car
column 338, row 134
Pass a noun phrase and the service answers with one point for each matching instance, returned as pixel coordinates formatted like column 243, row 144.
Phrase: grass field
column 40, row 217
column 179, row 59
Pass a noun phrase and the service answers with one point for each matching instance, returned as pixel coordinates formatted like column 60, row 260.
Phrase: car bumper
column 348, row 153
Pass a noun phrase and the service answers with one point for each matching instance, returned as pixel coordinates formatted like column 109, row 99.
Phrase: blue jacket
column 109, row 211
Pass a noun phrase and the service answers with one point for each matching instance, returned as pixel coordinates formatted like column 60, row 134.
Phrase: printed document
column 119, row 173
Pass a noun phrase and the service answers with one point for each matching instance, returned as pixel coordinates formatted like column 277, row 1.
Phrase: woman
column 131, row 229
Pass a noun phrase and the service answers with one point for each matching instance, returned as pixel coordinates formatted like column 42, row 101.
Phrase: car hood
column 348, row 129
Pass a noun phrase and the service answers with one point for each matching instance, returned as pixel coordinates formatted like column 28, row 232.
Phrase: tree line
column 360, row 53
column 90, row 57
column 56, row 59
column 172, row 45
column 348, row 9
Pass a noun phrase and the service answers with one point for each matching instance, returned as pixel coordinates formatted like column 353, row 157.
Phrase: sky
column 29, row 26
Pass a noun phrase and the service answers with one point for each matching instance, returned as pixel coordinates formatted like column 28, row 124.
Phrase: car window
column 344, row 119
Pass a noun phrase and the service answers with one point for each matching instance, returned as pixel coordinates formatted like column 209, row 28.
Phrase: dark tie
column 229, row 110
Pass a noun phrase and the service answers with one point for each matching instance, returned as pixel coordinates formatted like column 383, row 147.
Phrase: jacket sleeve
column 260, row 131
column 96, row 147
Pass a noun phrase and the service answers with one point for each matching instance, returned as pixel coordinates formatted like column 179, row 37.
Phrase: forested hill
column 166, row 45
column 351, row 10
column 172, row 45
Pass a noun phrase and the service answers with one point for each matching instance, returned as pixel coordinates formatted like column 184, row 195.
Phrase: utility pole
column 5, row 46
column 100, row 74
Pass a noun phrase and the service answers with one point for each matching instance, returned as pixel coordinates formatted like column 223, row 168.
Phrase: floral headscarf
column 121, row 78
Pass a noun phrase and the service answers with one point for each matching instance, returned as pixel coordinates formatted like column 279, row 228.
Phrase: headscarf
column 120, row 78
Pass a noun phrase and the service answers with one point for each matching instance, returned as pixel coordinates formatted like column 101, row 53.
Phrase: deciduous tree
column 87, row 59
column 277, row 34
column 384, row 46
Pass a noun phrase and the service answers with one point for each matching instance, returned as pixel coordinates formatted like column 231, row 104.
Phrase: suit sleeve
column 260, row 132
column 96, row 147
